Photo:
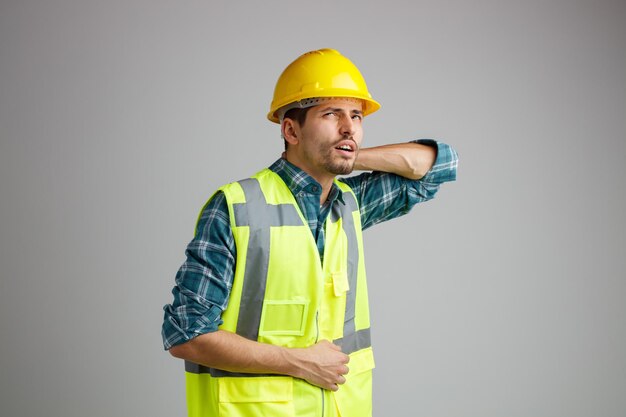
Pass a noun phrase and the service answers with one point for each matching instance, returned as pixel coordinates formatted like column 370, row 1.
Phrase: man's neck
column 324, row 179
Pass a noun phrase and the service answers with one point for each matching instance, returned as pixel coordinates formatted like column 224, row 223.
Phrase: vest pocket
column 354, row 398
column 283, row 317
column 340, row 283
column 256, row 396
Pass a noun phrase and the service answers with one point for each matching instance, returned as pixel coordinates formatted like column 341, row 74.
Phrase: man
column 270, row 309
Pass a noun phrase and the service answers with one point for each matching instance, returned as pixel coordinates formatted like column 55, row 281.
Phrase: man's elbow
column 181, row 351
column 422, row 162
column 415, row 168
column 417, row 173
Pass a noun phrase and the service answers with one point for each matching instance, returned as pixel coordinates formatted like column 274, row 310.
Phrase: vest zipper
column 317, row 336
column 317, row 326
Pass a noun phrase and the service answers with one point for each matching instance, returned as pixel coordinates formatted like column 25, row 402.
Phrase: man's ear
column 290, row 131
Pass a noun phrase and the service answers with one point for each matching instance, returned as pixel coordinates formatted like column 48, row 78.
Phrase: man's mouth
column 346, row 146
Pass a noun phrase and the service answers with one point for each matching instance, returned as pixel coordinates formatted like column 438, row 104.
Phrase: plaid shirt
column 204, row 281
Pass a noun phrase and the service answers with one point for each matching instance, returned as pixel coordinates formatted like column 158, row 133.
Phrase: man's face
column 330, row 138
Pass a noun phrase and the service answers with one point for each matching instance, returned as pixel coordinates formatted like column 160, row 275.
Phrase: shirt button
column 301, row 194
column 314, row 188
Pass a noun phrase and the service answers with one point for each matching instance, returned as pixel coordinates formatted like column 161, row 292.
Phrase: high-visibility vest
column 283, row 295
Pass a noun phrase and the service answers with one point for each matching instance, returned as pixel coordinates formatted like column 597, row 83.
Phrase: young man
column 270, row 309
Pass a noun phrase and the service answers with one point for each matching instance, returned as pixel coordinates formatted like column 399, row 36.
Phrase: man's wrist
column 289, row 363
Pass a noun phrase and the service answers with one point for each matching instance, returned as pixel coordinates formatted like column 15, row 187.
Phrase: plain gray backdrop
column 504, row 296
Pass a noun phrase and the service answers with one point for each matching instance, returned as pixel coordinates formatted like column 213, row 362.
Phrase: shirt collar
column 299, row 181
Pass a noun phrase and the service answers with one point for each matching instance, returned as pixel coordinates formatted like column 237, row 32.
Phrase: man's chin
column 341, row 169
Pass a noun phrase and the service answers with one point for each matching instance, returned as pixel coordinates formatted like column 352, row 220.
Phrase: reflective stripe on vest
column 260, row 216
column 351, row 340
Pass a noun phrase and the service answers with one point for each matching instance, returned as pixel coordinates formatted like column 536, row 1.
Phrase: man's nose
column 347, row 126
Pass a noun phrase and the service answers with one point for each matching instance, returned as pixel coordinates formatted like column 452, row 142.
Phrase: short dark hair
column 297, row 114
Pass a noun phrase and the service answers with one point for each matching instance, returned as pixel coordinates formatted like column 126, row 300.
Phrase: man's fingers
column 334, row 346
column 340, row 381
column 331, row 365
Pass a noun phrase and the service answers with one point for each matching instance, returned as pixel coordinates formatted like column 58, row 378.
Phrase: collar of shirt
column 299, row 182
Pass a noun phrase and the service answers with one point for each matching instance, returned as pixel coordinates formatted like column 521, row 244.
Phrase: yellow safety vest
column 283, row 295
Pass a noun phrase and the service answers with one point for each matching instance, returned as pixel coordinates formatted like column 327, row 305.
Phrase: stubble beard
column 340, row 166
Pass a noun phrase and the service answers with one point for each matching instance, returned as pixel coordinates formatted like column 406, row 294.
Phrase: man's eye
column 357, row 117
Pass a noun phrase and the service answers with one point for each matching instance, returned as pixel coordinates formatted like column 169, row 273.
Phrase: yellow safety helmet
column 319, row 74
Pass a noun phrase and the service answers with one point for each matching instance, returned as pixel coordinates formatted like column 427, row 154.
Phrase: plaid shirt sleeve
column 204, row 280
column 383, row 196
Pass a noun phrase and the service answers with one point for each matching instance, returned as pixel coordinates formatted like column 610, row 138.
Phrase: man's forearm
column 231, row 352
column 410, row 160
column 322, row 364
